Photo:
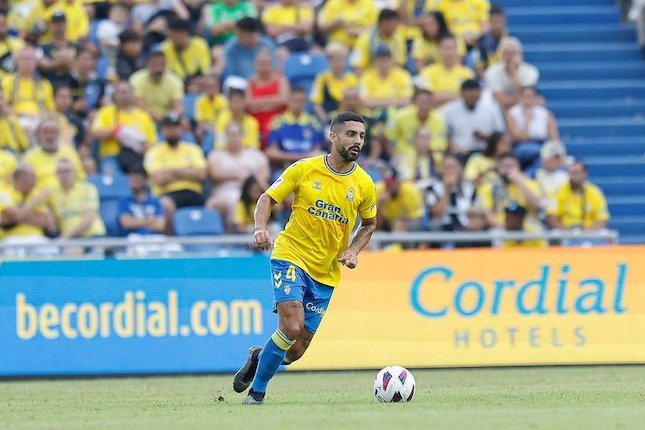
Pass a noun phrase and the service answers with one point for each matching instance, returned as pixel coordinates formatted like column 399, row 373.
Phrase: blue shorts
column 290, row 282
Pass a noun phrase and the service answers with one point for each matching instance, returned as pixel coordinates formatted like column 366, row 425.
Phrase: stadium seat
column 190, row 100
column 109, row 211
column 301, row 68
column 110, row 187
column 196, row 221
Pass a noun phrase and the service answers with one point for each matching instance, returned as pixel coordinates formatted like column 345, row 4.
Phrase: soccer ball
column 394, row 384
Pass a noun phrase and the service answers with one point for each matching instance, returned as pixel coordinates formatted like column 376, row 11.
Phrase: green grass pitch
column 604, row 397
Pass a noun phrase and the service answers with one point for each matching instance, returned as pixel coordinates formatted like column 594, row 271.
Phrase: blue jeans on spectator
column 528, row 152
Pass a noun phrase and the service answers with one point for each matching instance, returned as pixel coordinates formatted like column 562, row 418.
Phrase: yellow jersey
column 194, row 60
column 324, row 213
column 44, row 164
column 398, row 83
column 28, row 96
column 441, row 80
column 78, row 23
column 109, row 117
column 70, row 206
column 10, row 197
column 427, row 51
column 328, row 82
column 250, row 127
column 579, row 209
column 358, row 14
column 243, row 214
column 12, row 135
column 208, row 108
column 9, row 48
column 364, row 51
column 287, row 15
column 162, row 157
column 403, row 127
column 8, row 164
column 158, row 97
column 465, row 17
column 408, row 204
column 496, row 197
column 480, row 169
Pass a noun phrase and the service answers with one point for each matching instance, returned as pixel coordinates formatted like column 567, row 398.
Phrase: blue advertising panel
column 132, row 316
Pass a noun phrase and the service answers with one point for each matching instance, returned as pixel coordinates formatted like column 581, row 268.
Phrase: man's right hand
column 262, row 239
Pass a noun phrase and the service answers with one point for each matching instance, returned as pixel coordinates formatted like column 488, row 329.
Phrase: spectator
column 506, row 78
column 177, row 170
column 240, row 52
column 12, row 135
column 406, row 123
column 425, row 48
column 157, row 89
column 186, row 56
column 229, row 169
column 511, row 187
column 9, row 46
column 450, row 199
column 530, row 124
column 88, row 89
column 123, row 130
column 141, row 213
column 266, row 94
column 488, row 50
column 553, row 173
column 50, row 149
column 578, row 204
column 237, row 114
column 209, row 106
column 58, row 55
column 78, row 22
column 480, row 168
column 29, row 96
column 38, row 25
column 424, row 164
column 345, row 20
column 72, row 128
column 467, row 19
column 329, row 86
column 108, row 30
column 385, row 85
column 445, row 77
column 243, row 220
column 144, row 13
column 386, row 33
column 294, row 134
column 219, row 18
column 515, row 220
column 129, row 59
column 471, row 120
column 400, row 205
column 23, row 212
column 75, row 204
column 290, row 23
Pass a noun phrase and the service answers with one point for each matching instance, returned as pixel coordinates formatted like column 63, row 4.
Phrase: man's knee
column 292, row 328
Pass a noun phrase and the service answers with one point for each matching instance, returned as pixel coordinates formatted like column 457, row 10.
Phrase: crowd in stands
column 116, row 115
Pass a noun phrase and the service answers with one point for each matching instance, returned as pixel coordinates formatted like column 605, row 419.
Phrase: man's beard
column 347, row 155
column 172, row 141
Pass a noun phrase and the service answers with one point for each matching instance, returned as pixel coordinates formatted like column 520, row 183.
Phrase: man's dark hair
column 344, row 117
column 139, row 171
column 236, row 92
column 4, row 12
column 470, row 84
column 129, row 35
column 387, row 14
column 178, row 24
column 248, row 24
column 421, row 92
column 492, row 142
column 506, row 155
column 497, row 9
column 581, row 164
column 455, row 157
column 298, row 90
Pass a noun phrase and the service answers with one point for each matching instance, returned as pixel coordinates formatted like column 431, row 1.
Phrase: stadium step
column 626, row 206
column 595, row 71
column 601, row 146
column 624, row 107
column 602, row 126
column 581, row 52
column 628, row 224
column 563, row 14
column 615, row 166
column 529, row 34
column 621, row 186
column 528, row 3
column 601, row 89
column 629, row 239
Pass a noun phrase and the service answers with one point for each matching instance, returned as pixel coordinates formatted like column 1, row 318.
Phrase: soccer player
column 331, row 191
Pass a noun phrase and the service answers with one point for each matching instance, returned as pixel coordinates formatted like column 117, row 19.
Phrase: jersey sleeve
column 286, row 183
column 367, row 209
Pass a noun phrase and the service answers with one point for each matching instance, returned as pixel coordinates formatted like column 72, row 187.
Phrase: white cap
column 552, row 148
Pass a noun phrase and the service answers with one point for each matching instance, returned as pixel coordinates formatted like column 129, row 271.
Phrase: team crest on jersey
column 317, row 185
column 350, row 194
column 287, row 290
